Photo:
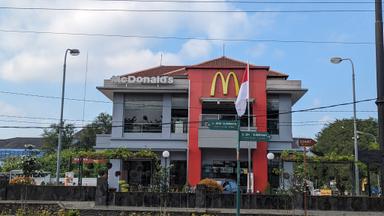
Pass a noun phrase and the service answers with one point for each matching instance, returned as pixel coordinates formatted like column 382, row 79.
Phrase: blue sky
column 32, row 63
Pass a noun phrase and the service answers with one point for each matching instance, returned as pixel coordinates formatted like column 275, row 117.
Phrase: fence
column 200, row 199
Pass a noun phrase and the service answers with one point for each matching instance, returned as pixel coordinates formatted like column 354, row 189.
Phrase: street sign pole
column 238, row 171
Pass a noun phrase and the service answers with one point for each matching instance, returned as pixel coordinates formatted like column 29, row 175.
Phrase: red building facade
column 165, row 108
column 201, row 79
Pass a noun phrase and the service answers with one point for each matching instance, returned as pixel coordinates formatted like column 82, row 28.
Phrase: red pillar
column 194, row 152
column 259, row 156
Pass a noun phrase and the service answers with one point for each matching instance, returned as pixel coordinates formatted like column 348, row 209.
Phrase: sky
column 287, row 35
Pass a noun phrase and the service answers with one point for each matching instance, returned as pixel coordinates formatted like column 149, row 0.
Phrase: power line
column 242, row 2
column 139, row 104
column 341, row 111
column 187, row 11
column 187, row 38
column 331, row 106
column 199, row 122
column 53, row 97
column 42, row 118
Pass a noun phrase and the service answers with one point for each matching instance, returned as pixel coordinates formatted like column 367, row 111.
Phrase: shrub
column 211, row 185
column 22, row 180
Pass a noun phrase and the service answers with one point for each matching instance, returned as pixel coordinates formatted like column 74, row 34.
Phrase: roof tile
column 222, row 62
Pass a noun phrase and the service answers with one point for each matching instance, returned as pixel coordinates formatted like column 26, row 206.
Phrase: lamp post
column 73, row 52
column 166, row 156
column 368, row 169
column 337, row 60
column 368, row 134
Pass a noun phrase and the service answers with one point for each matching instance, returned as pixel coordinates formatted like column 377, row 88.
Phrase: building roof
column 225, row 62
column 221, row 62
column 20, row 142
column 158, row 71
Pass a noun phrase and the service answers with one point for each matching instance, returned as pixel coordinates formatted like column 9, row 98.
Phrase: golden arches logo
column 224, row 82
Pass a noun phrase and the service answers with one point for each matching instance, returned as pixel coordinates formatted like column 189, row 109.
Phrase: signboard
column 254, row 136
column 304, row 142
column 89, row 161
column 224, row 82
column 325, row 192
column 142, row 80
column 222, row 125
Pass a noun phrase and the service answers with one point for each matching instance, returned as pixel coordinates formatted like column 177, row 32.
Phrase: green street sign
column 222, row 125
column 254, row 136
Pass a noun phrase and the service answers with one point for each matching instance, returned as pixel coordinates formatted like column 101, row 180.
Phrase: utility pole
column 380, row 81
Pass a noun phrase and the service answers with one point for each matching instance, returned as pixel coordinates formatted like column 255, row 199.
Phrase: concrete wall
column 221, row 139
column 136, row 141
column 117, row 115
column 207, row 138
column 283, row 141
column 209, row 155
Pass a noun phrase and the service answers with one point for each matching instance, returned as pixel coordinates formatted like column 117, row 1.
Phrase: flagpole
column 250, row 183
column 238, row 169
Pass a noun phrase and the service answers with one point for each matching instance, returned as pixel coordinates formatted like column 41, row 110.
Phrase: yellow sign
column 325, row 192
column 224, row 82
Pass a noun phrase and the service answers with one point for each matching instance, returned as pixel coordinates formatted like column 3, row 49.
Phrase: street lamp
column 73, row 52
column 166, row 156
column 337, row 60
column 270, row 156
column 369, row 134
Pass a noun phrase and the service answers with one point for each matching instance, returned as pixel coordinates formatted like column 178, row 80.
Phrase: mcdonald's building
column 166, row 108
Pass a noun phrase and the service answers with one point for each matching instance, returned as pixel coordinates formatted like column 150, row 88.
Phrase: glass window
column 178, row 173
column 179, row 114
column 143, row 113
column 224, row 111
column 226, row 170
column 273, row 115
column 273, row 168
column 138, row 172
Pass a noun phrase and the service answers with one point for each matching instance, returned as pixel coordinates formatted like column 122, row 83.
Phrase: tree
column 337, row 137
column 101, row 125
column 11, row 163
column 50, row 137
column 336, row 140
column 30, row 165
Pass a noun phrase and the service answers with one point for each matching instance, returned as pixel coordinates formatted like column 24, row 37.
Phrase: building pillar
column 260, row 167
column 194, row 152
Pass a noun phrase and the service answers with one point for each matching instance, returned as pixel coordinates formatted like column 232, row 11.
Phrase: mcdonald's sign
column 224, row 82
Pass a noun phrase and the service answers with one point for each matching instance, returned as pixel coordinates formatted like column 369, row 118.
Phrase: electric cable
column 187, row 38
column 187, row 11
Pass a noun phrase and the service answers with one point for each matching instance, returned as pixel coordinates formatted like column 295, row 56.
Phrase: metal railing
column 179, row 125
column 142, row 127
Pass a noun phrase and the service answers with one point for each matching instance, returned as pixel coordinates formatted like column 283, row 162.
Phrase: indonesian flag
column 243, row 96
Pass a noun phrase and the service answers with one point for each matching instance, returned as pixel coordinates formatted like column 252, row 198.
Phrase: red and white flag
column 243, row 96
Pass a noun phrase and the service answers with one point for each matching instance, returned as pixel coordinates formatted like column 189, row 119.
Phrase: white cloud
column 27, row 66
column 133, row 60
column 195, row 49
column 30, row 57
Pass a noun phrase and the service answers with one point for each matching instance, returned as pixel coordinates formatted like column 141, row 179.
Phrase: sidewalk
column 89, row 208
column 90, row 205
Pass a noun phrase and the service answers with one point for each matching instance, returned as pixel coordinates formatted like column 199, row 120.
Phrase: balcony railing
column 179, row 125
column 142, row 127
